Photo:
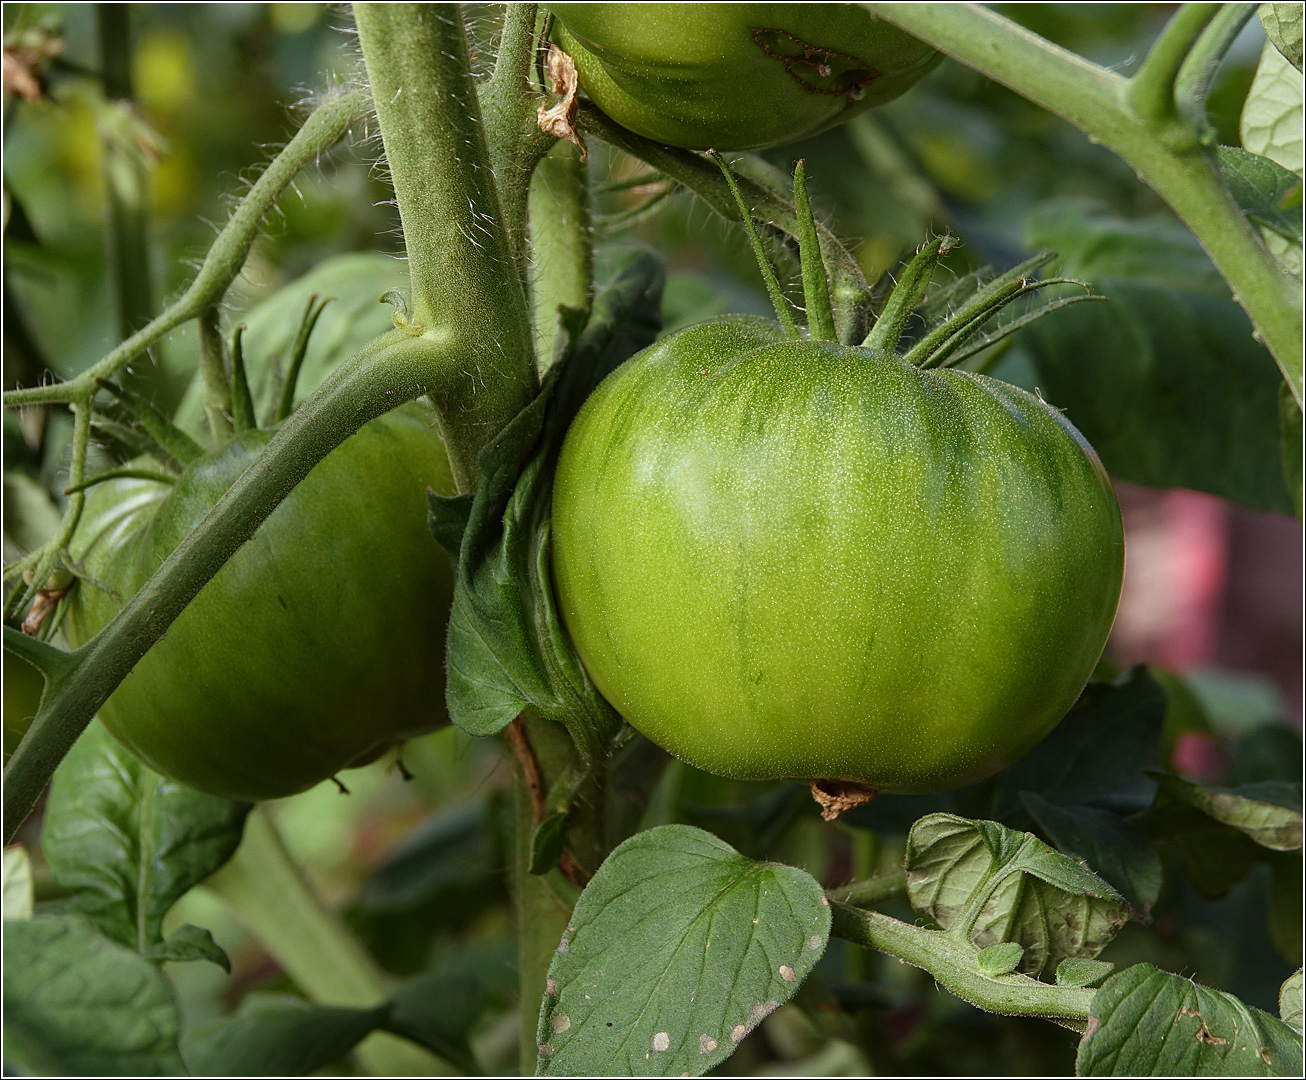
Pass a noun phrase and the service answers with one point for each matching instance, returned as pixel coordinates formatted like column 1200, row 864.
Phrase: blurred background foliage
column 418, row 869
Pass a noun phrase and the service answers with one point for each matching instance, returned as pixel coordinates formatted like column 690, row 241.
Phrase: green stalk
column 909, row 291
column 464, row 277
column 954, row 965
column 1196, row 76
column 271, row 899
column 1106, row 107
column 383, row 375
column 214, row 376
column 562, row 241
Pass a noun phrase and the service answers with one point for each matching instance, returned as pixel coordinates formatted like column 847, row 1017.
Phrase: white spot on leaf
column 551, row 987
column 787, row 973
column 661, row 1041
column 559, row 1023
column 737, row 1033
column 706, row 1044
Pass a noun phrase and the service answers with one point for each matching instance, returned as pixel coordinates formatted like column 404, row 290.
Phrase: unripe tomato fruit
column 783, row 558
column 737, row 76
column 316, row 647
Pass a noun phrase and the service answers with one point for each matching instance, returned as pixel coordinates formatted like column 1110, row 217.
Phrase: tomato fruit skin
column 798, row 559
column 737, row 76
column 316, row 647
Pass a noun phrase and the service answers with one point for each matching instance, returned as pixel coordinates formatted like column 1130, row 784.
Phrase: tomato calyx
column 955, row 314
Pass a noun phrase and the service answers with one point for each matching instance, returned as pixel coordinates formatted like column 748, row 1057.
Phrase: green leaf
column 19, row 895
column 1146, row 1022
column 1166, row 381
column 547, row 843
column 128, row 843
column 1114, row 847
column 277, row 1035
column 1283, row 26
column 507, row 648
column 1099, row 753
column 189, row 942
column 1075, row 971
column 437, row 1010
column 1285, row 901
column 1000, row 959
column 1290, row 1001
column 453, row 849
column 1271, row 122
column 1025, row 891
column 77, row 1004
column 1269, row 813
column 677, row 949
column 1268, row 193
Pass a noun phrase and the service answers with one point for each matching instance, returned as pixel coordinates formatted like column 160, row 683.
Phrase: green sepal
column 312, row 312
column 907, row 294
column 170, row 439
column 507, row 648
column 242, row 402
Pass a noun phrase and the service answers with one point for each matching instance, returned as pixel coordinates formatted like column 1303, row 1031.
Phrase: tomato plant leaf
column 1271, row 125
column 1146, row 1022
column 19, row 894
column 1013, row 886
column 1268, row 193
column 1099, row 753
column 1283, row 26
column 507, row 648
column 277, row 1035
column 1268, row 812
column 677, row 949
column 1114, row 847
column 189, row 942
column 1166, row 380
column 1290, row 1001
column 1076, row 971
column 78, row 1004
column 128, row 843
column 453, row 849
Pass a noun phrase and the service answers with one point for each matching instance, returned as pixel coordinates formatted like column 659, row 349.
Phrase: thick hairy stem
column 1152, row 90
column 562, row 242
column 872, row 890
column 771, row 208
column 215, row 376
column 322, row 130
column 389, row 371
column 270, row 897
column 1192, row 86
column 510, row 100
column 464, row 278
column 1105, row 107
column 954, row 966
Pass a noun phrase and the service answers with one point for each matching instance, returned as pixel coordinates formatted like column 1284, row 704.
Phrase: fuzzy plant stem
column 463, row 274
column 562, row 242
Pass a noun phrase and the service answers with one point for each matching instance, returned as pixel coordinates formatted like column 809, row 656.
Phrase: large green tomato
column 737, row 76
column 316, row 647
column 798, row 559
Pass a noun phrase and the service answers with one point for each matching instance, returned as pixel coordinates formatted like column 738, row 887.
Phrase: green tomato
column 737, row 76
column 798, row 559
column 315, row 648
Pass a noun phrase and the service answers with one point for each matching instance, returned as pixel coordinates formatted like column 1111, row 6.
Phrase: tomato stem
column 1106, row 107
column 816, row 293
column 955, row 966
column 466, row 283
column 562, row 242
